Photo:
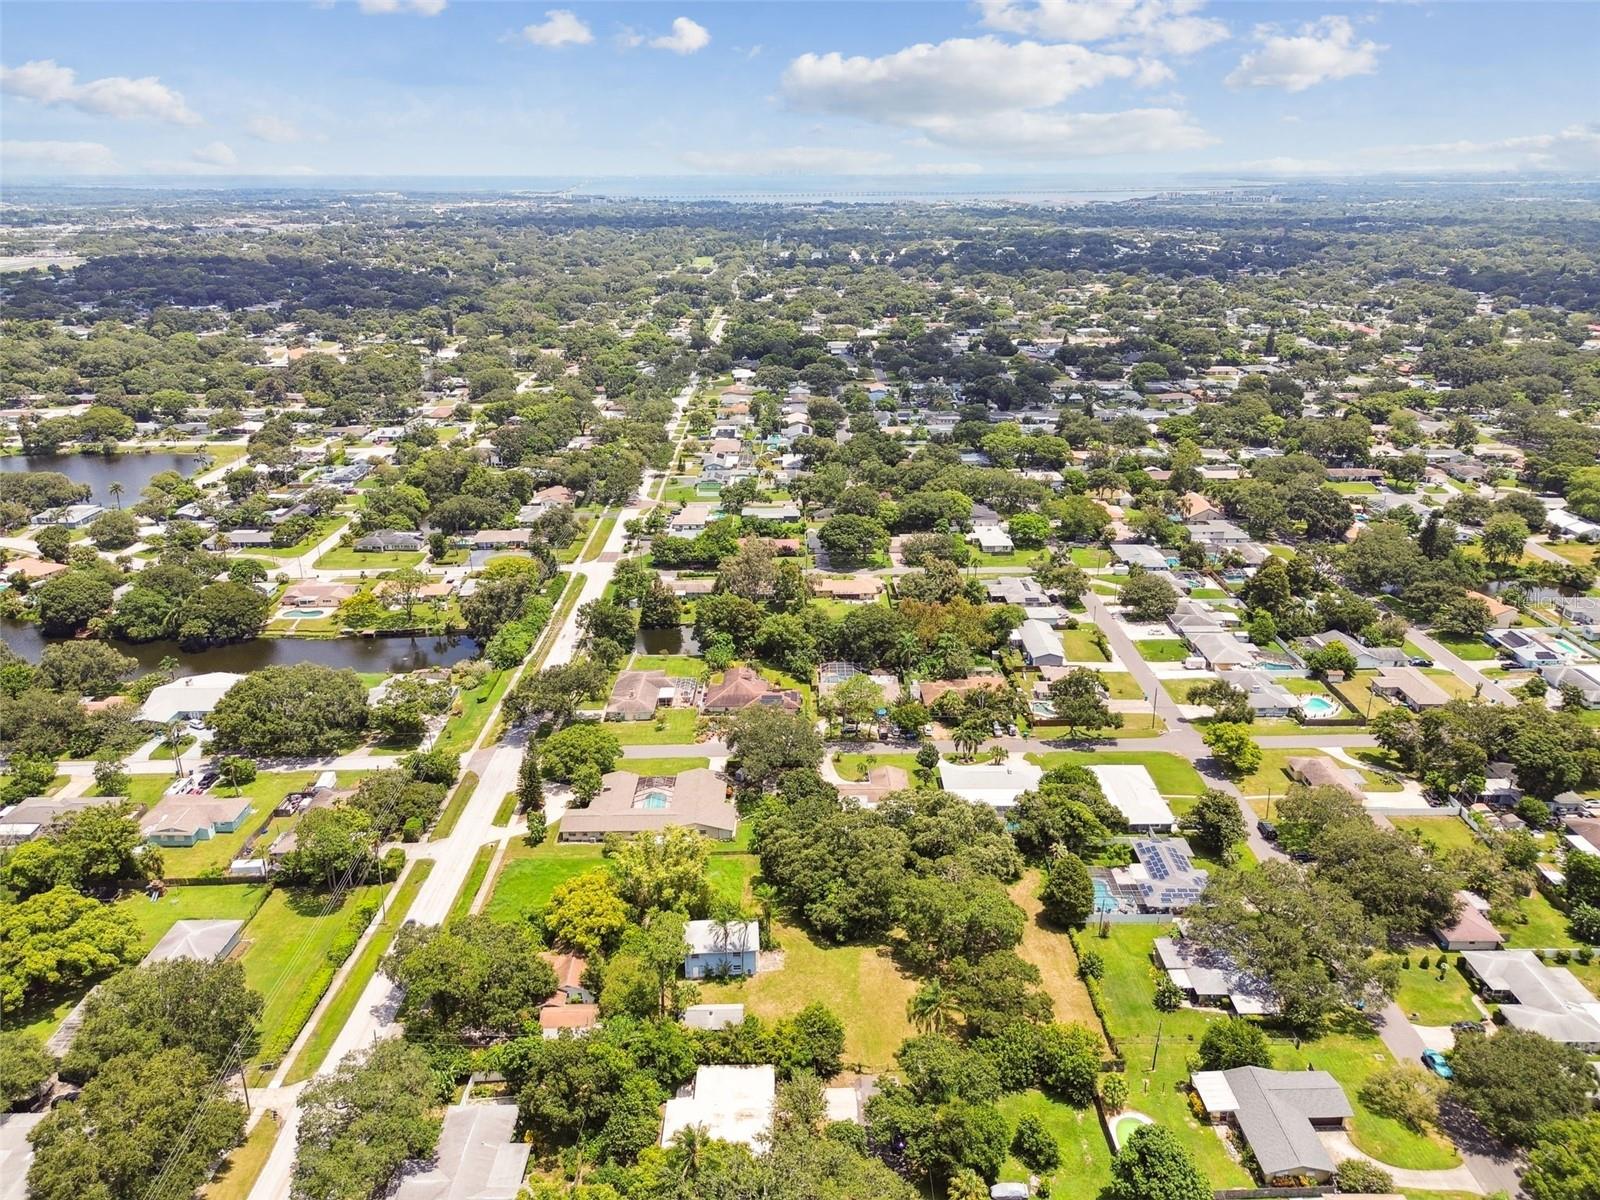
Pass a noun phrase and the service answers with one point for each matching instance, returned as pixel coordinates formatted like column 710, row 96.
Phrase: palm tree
column 690, row 1145
column 116, row 490
column 932, row 1008
column 968, row 737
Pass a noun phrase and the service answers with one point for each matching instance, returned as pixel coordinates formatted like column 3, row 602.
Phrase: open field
column 1085, row 1154
column 672, row 727
column 234, row 902
column 1173, row 776
column 529, row 874
column 347, row 558
column 1162, row 650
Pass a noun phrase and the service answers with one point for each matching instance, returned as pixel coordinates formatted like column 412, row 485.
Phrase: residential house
column 204, row 940
column 1583, row 612
column 1211, row 977
column 27, row 819
column 1216, row 535
column 729, row 1103
column 188, row 698
column 1317, row 770
column 997, row 785
column 1527, row 648
column 1501, row 614
column 390, row 541
column 1471, row 929
column 991, row 539
column 314, row 594
column 1280, row 1115
column 34, row 570
column 742, row 687
column 690, row 521
column 1586, row 678
column 239, row 539
column 1164, row 878
column 711, row 1017
column 929, row 690
column 638, row 694
column 1221, row 651
column 184, row 820
column 1136, row 554
column 630, row 803
column 853, row 589
column 1368, row 658
column 1041, row 645
column 501, row 539
column 1268, row 698
column 1196, row 507
column 1409, row 686
column 1536, row 996
column 1571, row 525
column 73, row 516
column 719, row 948
column 479, row 1157
column 1132, row 791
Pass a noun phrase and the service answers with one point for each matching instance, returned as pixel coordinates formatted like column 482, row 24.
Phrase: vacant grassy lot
column 662, row 766
column 1081, row 646
column 1446, row 833
column 1272, row 776
column 1162, row 650
column 672, row 727
column 344, row 1001
column 347, row 558
column 1173, row 776
column 1466, row 649
column 679, row 666
column 860, row 983
column 1428, row 998
column 1085, row 1156
column 234, row 902
column 1121, row 685
column 529, row 874
column 1049, row 949
column 461, row 730
column 285, row 954
column 1541, row 926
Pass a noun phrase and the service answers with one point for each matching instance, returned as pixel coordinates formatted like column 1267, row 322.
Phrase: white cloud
column 273, row 129
column 63, row 156
column 1162, row 26
column 1322, row 50
column 1574, row 148
column 383, row 8
column 560, row 27
column 945, row 168
column 215, row 154
column 957, row 77
column 686, row 37
column 47, row 82
column 984, row 94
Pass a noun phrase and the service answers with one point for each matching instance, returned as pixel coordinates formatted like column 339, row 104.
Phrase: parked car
column 1420, row 661
column 1267, row 830
column 1434, row 1061
column 1466, row 1027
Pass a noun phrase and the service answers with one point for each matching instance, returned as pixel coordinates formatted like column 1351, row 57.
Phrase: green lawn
column 457, row 805
column 344, row 1001
column 672, row 727
column 1446, row 833
column 1429, row 999
column 529, row 874
column 1156, row 1046
column 662, row 766
column 1080, row 646
column 1162, row 650
column 1085, row 1156
column 239, row 1171
column 1051, row 950
column 730, row 874
column 677, row 666
column 164, row 752
column 1173, row 776
column 861, row 983
column 464, row 726
column 322, row 530
column 1272, row 776
column 214, row 854
column 854, row 766
column 1542, row 926
column 1121, row 685
column 285, row 956
column 233, row 901
column 1466, row 649
column 1207, row 593
column 462, row 905
column 347, row 558
column 1090, row 557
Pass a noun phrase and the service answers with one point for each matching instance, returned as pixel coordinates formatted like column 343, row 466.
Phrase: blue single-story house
column 721, row 948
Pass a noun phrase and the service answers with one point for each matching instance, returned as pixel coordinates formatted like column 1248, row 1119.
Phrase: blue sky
column 473, row 87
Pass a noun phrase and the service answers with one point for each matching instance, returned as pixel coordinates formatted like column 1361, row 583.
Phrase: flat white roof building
column 187, row 699
column 1134, row 794
column 997, row 785
column 732, row 1103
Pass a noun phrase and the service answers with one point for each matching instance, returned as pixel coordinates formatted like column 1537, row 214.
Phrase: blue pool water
column 1318, row 706
column 654, row 800
column 1104, row 901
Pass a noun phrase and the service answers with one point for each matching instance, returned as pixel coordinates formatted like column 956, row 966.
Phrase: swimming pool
column 1104, row 901
column 1319, row 706
column 305, row 614
column 654, row 801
